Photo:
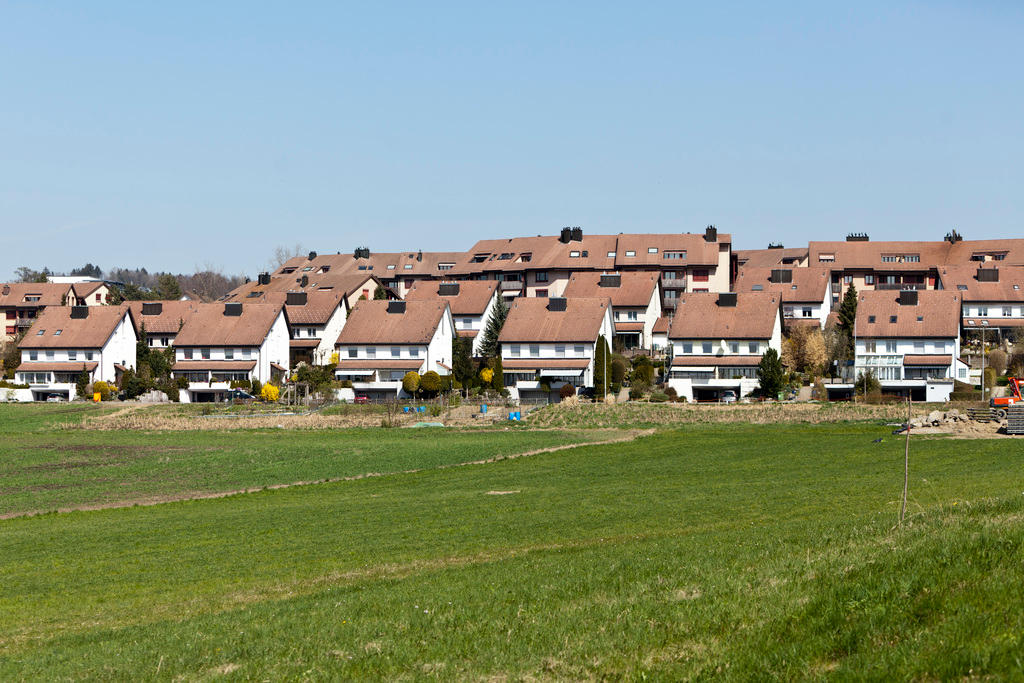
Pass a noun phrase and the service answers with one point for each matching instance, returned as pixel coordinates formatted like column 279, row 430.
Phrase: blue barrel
column 423, row 409
column 405, row 409
column 519, row 415
column 483, row 407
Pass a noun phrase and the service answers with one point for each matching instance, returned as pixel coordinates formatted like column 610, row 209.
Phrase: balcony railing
column 510, row 285
column 902, row 285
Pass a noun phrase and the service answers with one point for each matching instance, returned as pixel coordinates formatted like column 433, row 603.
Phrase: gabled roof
column 473, row 298
column 699, row 316
column 929, row 254
column 936, row 315
column 770, row 258
column 383, row 264
column 172, row 315
column 346, row 283
column 369, row 322
column 807, row 285
column 544, row 252
column 49, row 293
column 530, row 320
column 319, row 307
column 84, row 289
column 209, row 326
column 964, row 281
column 699, row 252
column 56, row 329
column 636, row 288
column 661, row 325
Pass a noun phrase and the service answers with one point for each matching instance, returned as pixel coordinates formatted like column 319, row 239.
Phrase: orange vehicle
column 1003, row 403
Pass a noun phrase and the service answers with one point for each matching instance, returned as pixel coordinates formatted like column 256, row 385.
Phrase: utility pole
column 983, row 364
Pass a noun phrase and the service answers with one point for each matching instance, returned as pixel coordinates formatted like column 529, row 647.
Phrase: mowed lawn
column 731, row 551
column 44, row 468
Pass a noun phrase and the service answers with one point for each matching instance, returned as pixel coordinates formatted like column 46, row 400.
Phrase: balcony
column 902, row 286
column 673, row 282
column 511, row 285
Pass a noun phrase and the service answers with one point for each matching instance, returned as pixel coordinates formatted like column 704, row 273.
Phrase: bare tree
column 282, row 254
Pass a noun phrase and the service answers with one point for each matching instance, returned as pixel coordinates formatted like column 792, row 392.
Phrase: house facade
column 65, row 341
column 230, row 342
column 993, row 297
column 472, row 304
column 805, row 292
column 548, row 343
column 160, row 321
column 718, row 340
column 636, row 302
column 22, row 302
column 384, row 340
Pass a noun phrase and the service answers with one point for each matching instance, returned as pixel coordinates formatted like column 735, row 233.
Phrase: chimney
column 7, row 290
column 362, row 252
column 953, row 237
column 781, row 275
column 295, row 299
column 419, row 255
column 711, row 234
column 577, row 234
column 908, row 297
column 396, row 307
column 857, row 237
column 263, row 279
column 556, row 303
column 612, row 280
column 233, row 308
column 304, row 281
column 312, row 255
column 79, row 312
column 775, row 245
column 152, row 308
column 988, row 275
column 448, row 289
column 727, row 300
column 566, row 236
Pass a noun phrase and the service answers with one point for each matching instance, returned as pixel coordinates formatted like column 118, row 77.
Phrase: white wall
column 993, row 309
column 887, row 358
column 439, row 350
column 329, row 335
column 274, row 348
column 120, row 348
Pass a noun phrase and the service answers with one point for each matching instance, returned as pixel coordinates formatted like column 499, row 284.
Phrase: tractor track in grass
column 147, row 501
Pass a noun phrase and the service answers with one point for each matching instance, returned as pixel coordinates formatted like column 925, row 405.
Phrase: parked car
column 239, row 394
column 728, row 396
column 55, row 398
column 361, row 399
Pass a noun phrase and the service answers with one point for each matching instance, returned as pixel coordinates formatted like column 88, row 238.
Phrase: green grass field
column 710, row 551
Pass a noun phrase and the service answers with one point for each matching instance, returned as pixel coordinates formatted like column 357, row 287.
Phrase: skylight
column 56, row 333
column 40, row 333
column 871, row 318
column 962, row 288
column 892, row 318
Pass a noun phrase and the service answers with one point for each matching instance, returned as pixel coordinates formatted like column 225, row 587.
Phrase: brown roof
column 964, row 281
column 636, row 288
column 84, row 289
column 208, row 326
column 420, row 264
column 69, row 366
column 529, row 320
column 238, row 365
column 808, row 285
column 332, row 281
column 14, row 293
column 769, row 258
column 170, row 319
column 91, row 332
column 729, row 361
column 304, row 343
column 370, row 323
column 319, row 307
column 699, row 252
column 380, row 364
column 931, row 254
column 661, row 325
column 927, row 360
column 544, row 252
column 698, row 316
column 994, row 322
column 544, row 363
column 472, row 299
column 468, row 333
column 938, row 310
column 629, row 327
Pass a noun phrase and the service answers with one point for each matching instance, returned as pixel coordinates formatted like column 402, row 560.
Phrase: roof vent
column 727, row 299
column 448, row 289
column 7, row 290
column 857, row 237
column 782, row 275
column 565, row 236
column 152, row 308
column 233, row 308
column 577, row 234
column 362, row 252
column 79, row 312
column 419, row 255
column 775, row 245
column 908, row 297
column 396, row 307
column 711, row 234
column 988, row 275
column 614, row 280
column 557, row 303
column 296, row 299
column 312, row 255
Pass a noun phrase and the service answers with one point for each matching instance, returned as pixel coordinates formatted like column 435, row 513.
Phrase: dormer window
column 505, row 256
column 892, row 318
column 630, row 252
column 757, row 288
column 962, row 288
column 408, row 266
column 826, row 258
column 611, row 254
column 652, row 250
column 574, row 254
column 871, row 318
column 391, row 266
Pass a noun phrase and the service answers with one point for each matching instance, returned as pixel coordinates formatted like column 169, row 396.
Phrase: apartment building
column 993, row 296
column 398, row 271
column 22, row 302
column 472, row 304
column 805, row 292
column 160, row 320
column 636, row 302
column 352, row 286
column 547, row 343
column 221, row 343
column 384, row 340
column 717, row 341
column 65, row 341
column 314, row 316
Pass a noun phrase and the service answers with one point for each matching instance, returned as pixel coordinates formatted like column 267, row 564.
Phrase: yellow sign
column 96, row 397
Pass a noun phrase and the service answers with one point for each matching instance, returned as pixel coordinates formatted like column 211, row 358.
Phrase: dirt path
column 626, row 435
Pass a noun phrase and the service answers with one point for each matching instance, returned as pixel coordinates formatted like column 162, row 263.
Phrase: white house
column 68, row 340
column 471, row 302
column 910, row 341
column 384, row 340
column 806, row 293
column 717, row 341
column 230, row 342
column 22, row 302
column 552, row 342
column 161, row 320
column 993, row 297
column 659, row 335
column 315, row 318
column 635, row 297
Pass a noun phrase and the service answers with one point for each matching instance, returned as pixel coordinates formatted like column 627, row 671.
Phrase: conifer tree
column 489, row 344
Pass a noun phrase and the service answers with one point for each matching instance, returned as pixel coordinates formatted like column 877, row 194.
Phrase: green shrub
column 658, row 397
column 411, row 382
column 103, row 389
column 435, row 410
column 636, row 393
column 430, row 383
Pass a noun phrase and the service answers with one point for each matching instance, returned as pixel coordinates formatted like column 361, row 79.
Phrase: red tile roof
column 544, row 363
column 937, row 314
column 91, row 332
column 807, row 285
column 530, row 320
column 698, row 316
column 209, row 326
column 730, row 361
column 369, row 322
column 927, row 360
column 68, row 366
column 225, row 365
column 472, row 299
column 170, row 319
column 964, row 281
column 12, row 294
column 770, row 258
column 636, row 288
column 380, row 364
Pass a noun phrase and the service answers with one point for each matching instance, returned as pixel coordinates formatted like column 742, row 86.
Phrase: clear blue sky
column 177, row 134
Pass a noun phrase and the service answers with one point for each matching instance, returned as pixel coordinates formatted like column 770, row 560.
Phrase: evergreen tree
column 848, row 317
column 379, row 294
column 489, row 345
column 82, row 385
column 770, row 373
column 462, row 361
column 498, row 379
column 167, row 287
column 600, row 360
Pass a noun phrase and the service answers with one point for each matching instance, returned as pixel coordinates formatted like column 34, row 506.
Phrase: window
column 467, row 323
column 687, row 347
column 506, row 256
column 542, row 293
column 674, row 255
column 534, row 350
column 229, row 354
column 541, row 276
column 807, row 311
column 734, row 347
column 871, row 318
column 408, row 266
column 890, row 346
column 671, row 275
column 205, row 354
column 371, row 351
column 787, row 311
column 847, row 279
column 40, row 333
column 962, row 288
column 33, row 355
column 892, row 318
column 760, row 288
column 611, row 254
column 700, row 275
column 396, row 352
column 49, row 355
column 88, row 355
column 940, row 347
column 869, row 279
column 72, row 355
column 353, row 352
column 753, row 348
column 1007, row 312
column 391, row 266
column 869, row 346
column 99, row 299
column 445, row 266
column 560, row 350
column 246, row 353
column 919, row 347
column 705, row 347
column 414, row 352
column 982, row 311
column 652, row 250
column 630, row 252
column 890, row 258
column 671, row 294
column 632, row 315
column 311, row 331
column 826, row 258
column 616, row 315
column 578, row 349
column 56, row 333
column 513, row 350
column 574, row 254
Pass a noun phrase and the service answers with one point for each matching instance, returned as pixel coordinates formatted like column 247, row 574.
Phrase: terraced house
column 65, row 341
column 805, row 292
column 22, row 302
column 229, row 342
column 993, row 298
column 636, row 303
column 471, row 302
column 160, row 321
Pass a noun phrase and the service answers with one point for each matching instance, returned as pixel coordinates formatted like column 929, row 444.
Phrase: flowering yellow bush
column 487, row 375
column 103, row 389
column 270, row 393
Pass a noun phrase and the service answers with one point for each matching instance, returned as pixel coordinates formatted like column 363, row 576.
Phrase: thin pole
column 906, row 467
column 982, row 364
